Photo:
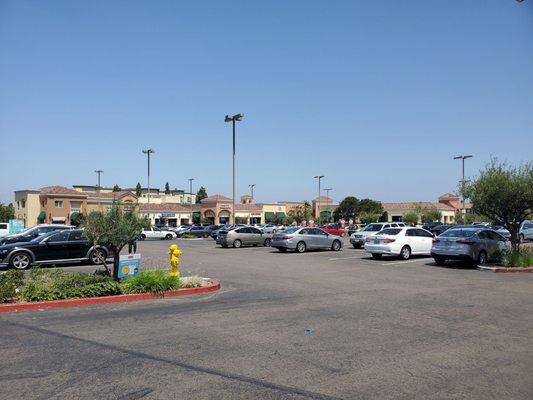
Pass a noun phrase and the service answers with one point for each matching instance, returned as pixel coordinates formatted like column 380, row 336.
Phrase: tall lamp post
column 252, row 190
column 319, row 177
column 190, row 189
column 99, row 172
column 148, row 152
column 463, row 158
column 327, row 200
column 233, row 119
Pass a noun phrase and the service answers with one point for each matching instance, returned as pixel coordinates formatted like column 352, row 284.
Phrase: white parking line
column 343, row 258
column 405, row 262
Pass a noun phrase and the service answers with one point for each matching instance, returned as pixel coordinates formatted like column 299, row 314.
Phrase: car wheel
column 405, row 253
column 20, row 261
column 440, row 260
column 97, row 256
column 266, row 243
column 168, row 237
column 356, row 246
column 522, row 238
column 143, row 237
column 237, row 243
column 301, row 247
column 482, row 258
column 376, row 256
column 336, row 246
column 206, row 235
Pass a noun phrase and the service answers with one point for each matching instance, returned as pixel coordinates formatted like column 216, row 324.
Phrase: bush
column 55, row 284
column 188, row 236
column 192, row 281
column 410, row 218
column 521, row 259
column 9, row 282
column 150, row 281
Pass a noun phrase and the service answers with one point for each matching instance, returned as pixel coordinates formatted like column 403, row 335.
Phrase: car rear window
column 291, row 230
column 459, row 232
column 374, row 228
column 390, row 231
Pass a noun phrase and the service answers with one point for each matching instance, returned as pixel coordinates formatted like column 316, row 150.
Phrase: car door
column 425, row 240
column 411, row 239
column 54, row 247
column 496, row 245
column 305, row 236
column 256, row 236
column 78, row 245
column 320, row 238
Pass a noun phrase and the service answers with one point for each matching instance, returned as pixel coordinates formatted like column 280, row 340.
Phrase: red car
column 334, row 229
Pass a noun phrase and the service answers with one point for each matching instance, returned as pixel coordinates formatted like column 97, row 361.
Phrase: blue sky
column 378, row 96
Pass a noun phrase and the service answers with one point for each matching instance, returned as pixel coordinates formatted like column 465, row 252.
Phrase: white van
column 4, row 228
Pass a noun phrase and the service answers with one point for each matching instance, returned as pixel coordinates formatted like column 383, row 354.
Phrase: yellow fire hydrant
column 174, row 253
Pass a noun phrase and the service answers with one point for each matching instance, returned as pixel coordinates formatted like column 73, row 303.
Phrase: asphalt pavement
column 319, row 325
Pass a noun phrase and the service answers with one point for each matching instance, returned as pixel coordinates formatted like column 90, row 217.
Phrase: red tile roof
column 215, row 198
column 408, row 206
column 111, row 195
column 61, row 190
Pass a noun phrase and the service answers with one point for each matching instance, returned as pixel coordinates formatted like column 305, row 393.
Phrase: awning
column 59, row 219
column 280, row 215
column 42, row 216
column 269, row 214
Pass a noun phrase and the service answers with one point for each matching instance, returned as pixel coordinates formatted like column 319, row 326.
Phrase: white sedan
column 400, row 241
column 157, row 233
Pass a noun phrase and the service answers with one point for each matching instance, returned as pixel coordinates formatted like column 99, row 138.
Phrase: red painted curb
column 122, row 298
column 505, row 270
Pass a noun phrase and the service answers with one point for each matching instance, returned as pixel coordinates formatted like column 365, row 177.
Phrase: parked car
column 357, row 239
column 355, row 228
column 476, row 244
column 4, row 229
column 302, row 239
column 243, row 236
column 437, row 230
column 401, row 241
column 214, row 232
column 198, row 231
column 268, row 228
column 157, row 233
column 501, row 230
column 32, row 233
column 430, row 225
column 54, row 247
column 526, row 231
column 333, row 229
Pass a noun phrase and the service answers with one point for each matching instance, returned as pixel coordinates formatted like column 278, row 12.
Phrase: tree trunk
column 116, row 258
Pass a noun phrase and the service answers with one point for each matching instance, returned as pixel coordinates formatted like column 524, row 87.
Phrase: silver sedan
column 302, row 239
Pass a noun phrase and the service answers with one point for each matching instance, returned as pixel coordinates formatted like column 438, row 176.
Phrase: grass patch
column 188, row 236
column 192, row 281
column 150, row 281
column 521, row 259
column 9, row 284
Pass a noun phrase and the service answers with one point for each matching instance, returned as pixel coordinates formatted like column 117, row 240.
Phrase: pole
column 463, row 189
column 233, row 210
column 190, row 189
column 148, row 181
column 327, row 205
column 318, row 211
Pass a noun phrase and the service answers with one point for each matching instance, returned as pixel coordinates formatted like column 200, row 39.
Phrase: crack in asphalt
column 187, row 366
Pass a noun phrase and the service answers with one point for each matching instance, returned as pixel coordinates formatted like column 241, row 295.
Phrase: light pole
column 98, row 171
column 463, row 158
column 233, row 119
column 148, row 152
column 190, row 189
column 319, row 177
column 252, row 189
column 327, row 200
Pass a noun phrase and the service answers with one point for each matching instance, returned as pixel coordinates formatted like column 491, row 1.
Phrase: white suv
column 526, row 231
column 157, row 233
column 357, row 239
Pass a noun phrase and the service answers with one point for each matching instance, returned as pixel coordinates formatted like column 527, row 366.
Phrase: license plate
column 376, row 241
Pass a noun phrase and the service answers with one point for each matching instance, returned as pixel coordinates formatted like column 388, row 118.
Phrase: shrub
column 522, row 258
column 192, row 281
column 55, row 284
column 9, row 282
column 150, row 281
column 410, row 218
column 188, row 236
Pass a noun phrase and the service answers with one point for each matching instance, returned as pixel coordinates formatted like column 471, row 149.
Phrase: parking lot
column 322, row 325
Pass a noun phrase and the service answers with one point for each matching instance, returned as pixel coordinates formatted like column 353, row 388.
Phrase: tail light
column 389, row 240
column 469, row 242
column 436, row 241
column 286, row 238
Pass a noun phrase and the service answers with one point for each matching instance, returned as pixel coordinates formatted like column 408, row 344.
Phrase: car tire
column 206, row 235
column 376, row 256
column 301, row 247
column 336, row 245
column 356, row 246
column 267, row 242
column 143, row 237
column 95, row 260
column 440, row 260
column 20, row 260
column 405, row 253
column 168, row 237
column 482, row 258
column 237, row 243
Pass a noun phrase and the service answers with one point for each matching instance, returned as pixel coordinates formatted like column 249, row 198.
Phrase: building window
column 75, row 206
column 59, row 204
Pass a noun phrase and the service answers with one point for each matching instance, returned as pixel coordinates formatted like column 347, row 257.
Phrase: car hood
column 10, row 246
column 11, row 239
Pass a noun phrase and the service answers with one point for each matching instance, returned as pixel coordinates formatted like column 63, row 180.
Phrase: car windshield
column 373, row 228
column 459, row 232
column 291, row 230
column 41, row 237
column 390, row 231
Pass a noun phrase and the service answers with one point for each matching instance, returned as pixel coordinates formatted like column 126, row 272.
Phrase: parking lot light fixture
column 148, row 152
column 327, row 205
column 99, row 172
column 463, row 158
column 233, row 119
column 190, row 198
column 252, row 190
column 319, row 177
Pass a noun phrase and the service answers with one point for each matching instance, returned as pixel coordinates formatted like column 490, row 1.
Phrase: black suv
column 32, row 233
column 52, row 248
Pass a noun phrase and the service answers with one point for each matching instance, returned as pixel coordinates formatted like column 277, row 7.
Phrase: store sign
column 168, row 215
column 256, row 214
column 225, row 206
column 129, row 265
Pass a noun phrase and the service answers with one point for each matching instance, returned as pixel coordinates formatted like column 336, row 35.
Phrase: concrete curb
column 505, row 270
column 213, row 285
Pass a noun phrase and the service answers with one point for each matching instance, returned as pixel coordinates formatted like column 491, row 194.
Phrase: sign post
column 129, row 265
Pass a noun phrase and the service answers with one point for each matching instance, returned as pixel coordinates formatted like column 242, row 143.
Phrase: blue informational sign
column 16, row 226
column 129, row 265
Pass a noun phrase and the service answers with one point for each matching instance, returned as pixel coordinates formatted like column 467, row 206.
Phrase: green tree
column 431, row 216
column 113, row 228
column 348, row 208
column 369, row 206
column 138, row 190
column 167, row 188
column 410, row 218
column 116, row 188
column 367, row 218
column 504, row 194
column 7, row 212
column 201, row 194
